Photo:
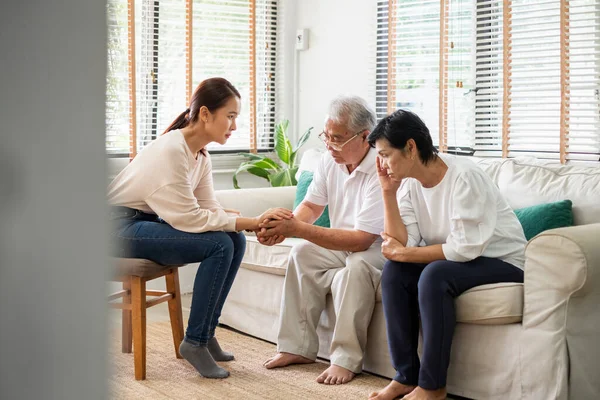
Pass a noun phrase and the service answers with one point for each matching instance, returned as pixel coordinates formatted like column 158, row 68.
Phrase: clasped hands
column 274, row 225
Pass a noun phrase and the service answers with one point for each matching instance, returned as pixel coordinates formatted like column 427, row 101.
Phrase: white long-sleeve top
column 465, row 213
column 167, row 179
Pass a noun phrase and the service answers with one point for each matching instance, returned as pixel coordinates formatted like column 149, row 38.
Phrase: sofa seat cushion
column 269, row 259
column 495, row 304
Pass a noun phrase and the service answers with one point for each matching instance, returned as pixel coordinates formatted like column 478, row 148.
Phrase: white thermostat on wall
column 302, row 39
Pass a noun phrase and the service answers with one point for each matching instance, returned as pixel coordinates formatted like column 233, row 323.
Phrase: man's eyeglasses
column 337, row 146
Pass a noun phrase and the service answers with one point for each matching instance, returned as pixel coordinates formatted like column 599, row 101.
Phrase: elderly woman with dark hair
column 447, row 229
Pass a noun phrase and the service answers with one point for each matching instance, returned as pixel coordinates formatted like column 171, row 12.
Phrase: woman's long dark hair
column 211, row 93
column 399, row 127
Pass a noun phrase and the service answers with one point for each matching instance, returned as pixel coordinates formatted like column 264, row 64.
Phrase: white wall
column 53, row 219
column 340, row 58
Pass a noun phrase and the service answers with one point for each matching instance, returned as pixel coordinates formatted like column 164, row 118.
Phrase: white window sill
column 221, row 163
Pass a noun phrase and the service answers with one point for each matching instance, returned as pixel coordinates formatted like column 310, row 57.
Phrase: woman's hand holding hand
column 279, row 213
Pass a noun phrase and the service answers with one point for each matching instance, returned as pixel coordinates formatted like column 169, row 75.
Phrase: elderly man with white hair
column 345, row 259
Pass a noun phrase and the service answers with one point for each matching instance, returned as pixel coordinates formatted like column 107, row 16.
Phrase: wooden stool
column 134, row 273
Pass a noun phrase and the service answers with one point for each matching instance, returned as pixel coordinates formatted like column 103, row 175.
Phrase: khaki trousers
column 352, row 279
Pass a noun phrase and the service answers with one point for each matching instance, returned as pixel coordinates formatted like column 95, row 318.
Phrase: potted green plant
column 282, row 173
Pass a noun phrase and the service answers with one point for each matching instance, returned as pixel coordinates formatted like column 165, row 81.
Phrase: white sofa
column 539, row 340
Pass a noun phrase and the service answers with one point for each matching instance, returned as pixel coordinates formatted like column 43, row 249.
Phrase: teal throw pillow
column 304, row 181
column 539, row 218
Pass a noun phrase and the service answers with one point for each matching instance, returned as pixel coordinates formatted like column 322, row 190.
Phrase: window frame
column 263, row 143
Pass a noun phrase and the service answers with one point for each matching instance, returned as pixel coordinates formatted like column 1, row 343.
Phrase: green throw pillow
column 306, row 178
column 536, row 219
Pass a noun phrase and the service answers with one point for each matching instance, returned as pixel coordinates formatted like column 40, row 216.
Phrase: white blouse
column 465, row 213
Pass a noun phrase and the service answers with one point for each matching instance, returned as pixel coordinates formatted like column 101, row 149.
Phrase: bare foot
column 335, row 375
column 422, row 394
column 392, row 391
column 285, row 359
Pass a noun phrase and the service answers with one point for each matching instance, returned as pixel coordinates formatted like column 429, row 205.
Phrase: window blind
column 461, row 76
column 222, row 46
column 489, row 78
column 179, row 43
column 584, row 76
column 409, row 69
column 117, row 96
column 535, row 70
column 535, row 77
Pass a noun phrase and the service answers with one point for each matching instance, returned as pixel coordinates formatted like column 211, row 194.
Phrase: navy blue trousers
column 429, row 290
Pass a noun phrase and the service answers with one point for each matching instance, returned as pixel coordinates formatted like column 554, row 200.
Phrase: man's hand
column 269, row 240
column 275, row 231
column 391, row 248
column 270, row 232
column 387, row 183
column 283, row 227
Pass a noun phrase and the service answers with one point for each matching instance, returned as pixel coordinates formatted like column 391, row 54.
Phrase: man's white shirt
column 355, row 200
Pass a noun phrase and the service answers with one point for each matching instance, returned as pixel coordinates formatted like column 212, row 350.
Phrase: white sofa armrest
column 561, row 315
column 253, row 202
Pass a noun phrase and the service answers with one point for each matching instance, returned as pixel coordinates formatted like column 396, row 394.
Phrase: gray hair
column 353, row 112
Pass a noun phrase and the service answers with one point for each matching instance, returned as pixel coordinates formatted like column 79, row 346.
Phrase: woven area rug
column 170, row 378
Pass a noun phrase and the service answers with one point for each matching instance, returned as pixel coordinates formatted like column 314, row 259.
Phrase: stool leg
column 138, row 302
column 126, row 320
column 175, row 309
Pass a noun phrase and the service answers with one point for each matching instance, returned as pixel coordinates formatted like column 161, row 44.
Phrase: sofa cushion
column 303, row 183
column 269, row 259
column 540, row 218
column 495, row 304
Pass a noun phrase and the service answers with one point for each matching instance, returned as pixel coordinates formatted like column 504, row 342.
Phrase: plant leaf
column 272, row 163
column 281, row 141
column 251, row 156
column 288, row 150
column 282, row 178
column 303, row 139
column 252, row 168
column 266, row 163
column 293, row 172
column 300, row 143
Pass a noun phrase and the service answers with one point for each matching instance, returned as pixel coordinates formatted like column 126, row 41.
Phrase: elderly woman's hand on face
column 388, row 184
column 391, row 248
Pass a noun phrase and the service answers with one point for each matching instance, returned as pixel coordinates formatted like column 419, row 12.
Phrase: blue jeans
column 430, row 289
column 140, row 235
